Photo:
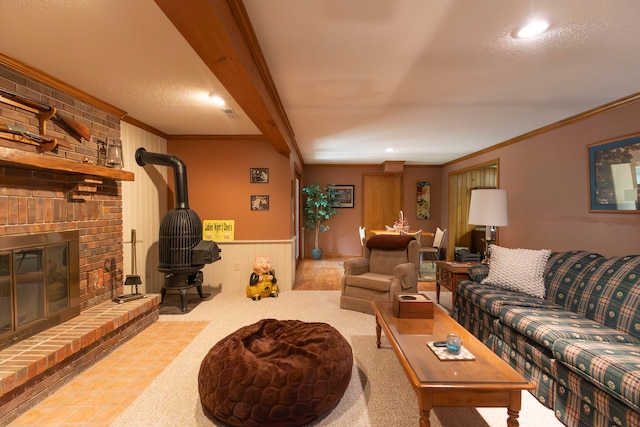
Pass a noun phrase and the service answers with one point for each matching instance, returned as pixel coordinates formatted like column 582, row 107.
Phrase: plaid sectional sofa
column 579, row 345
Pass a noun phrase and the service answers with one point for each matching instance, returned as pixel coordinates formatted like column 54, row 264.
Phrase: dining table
column 397, row 232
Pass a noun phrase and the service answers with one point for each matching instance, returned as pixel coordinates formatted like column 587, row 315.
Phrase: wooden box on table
column 412, row 306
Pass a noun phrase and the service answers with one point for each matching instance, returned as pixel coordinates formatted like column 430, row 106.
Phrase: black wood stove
column 182, row 251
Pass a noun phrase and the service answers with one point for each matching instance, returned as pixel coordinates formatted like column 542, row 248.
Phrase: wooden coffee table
column 487, row 381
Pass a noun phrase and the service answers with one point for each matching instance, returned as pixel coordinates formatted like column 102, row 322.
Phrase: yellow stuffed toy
column 262, row 282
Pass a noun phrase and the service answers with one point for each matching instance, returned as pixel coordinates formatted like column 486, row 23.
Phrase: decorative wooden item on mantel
column 43, row 113
column 28, row 160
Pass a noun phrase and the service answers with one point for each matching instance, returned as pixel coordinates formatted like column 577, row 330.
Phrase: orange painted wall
column 219, row 187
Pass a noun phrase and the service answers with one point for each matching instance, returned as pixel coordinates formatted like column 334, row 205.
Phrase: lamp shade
column 488, row 207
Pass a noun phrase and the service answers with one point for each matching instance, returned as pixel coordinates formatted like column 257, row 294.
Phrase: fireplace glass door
column 6, row 323
column 34, row 285
column 29, row 285
column 39, row 283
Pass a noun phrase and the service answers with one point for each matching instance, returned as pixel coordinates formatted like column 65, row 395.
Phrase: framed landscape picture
column 345, row 196
column 614, row 172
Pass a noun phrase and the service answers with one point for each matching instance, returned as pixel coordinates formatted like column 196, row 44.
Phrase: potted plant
column 318, row 207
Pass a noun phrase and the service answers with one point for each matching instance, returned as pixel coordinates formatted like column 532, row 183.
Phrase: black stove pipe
column 179, row 172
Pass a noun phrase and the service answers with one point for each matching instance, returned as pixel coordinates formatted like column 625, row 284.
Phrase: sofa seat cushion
column 547, row 326
column 492, row 299
column 543, row 382
column 375, row 281
column 614, row 367
column 532, row 351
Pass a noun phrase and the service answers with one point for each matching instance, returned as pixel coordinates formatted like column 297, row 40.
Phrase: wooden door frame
column 457, row 223
column 298, row 214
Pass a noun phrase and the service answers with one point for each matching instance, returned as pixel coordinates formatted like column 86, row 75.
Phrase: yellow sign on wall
column 218, row 229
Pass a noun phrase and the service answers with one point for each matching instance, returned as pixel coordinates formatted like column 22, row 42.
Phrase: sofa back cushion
column 612, row 294
column 565, row 274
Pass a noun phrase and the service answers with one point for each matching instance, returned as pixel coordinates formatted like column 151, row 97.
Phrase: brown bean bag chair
column 275, row 373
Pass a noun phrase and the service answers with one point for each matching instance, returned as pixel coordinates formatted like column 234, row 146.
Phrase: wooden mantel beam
column 220, row 33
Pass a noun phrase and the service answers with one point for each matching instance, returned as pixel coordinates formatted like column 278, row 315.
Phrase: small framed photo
column 259, row 202
column 259, row 175
column 344, row 197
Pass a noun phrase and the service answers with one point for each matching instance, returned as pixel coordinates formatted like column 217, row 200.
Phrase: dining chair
column 416, row 234
column 434, row 249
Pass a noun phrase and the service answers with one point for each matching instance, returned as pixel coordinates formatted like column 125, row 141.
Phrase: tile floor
column 99, row 394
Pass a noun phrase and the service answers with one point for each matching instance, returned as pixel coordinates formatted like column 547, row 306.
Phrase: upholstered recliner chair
column 389, row 266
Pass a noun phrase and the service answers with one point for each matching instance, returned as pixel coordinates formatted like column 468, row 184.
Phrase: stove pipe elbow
column 179, row 172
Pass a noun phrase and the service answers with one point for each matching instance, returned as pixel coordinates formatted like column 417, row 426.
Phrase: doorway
column 381, row 200
column 484, row 175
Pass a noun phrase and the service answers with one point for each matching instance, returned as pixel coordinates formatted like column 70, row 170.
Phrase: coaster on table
column 443, row 353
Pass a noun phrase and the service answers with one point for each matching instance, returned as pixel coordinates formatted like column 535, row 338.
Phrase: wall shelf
column 35, row 161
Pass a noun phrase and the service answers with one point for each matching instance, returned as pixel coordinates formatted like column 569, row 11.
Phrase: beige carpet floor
column 378, row 394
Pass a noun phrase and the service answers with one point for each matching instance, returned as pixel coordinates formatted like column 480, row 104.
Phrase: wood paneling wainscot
column 231, row 273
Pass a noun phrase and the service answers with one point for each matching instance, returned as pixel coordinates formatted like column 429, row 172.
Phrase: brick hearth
column 38, row 366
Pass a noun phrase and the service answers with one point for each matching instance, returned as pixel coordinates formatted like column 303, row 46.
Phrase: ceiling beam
column 217, row 32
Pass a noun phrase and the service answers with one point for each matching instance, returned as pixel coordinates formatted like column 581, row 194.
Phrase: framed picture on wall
column 259, row 203
column 423, row 200
column 344, row 197
column 259, row 175
column 614, row 173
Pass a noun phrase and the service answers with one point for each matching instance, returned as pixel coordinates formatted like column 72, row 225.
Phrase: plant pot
column 316, row 253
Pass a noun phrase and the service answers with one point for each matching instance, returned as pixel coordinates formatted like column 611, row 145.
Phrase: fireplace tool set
column 132, row 280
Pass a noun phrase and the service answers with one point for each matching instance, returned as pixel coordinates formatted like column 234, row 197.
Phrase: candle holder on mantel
column 114, row 154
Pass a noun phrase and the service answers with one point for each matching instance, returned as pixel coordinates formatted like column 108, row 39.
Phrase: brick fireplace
column 63, row 193
column 67, row 190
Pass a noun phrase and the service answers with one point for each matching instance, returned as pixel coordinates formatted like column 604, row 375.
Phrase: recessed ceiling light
column 532, row 28
column 218, row 100
column 390, row 150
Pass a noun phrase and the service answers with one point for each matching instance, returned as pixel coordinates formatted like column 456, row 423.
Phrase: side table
column 448, row 273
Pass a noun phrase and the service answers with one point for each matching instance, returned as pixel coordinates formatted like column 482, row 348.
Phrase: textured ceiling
column 436, row 80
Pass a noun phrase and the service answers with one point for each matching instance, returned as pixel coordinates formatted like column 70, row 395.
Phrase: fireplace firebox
column 39, row 283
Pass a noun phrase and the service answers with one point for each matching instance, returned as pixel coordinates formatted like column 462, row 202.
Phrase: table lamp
column 488, row 207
